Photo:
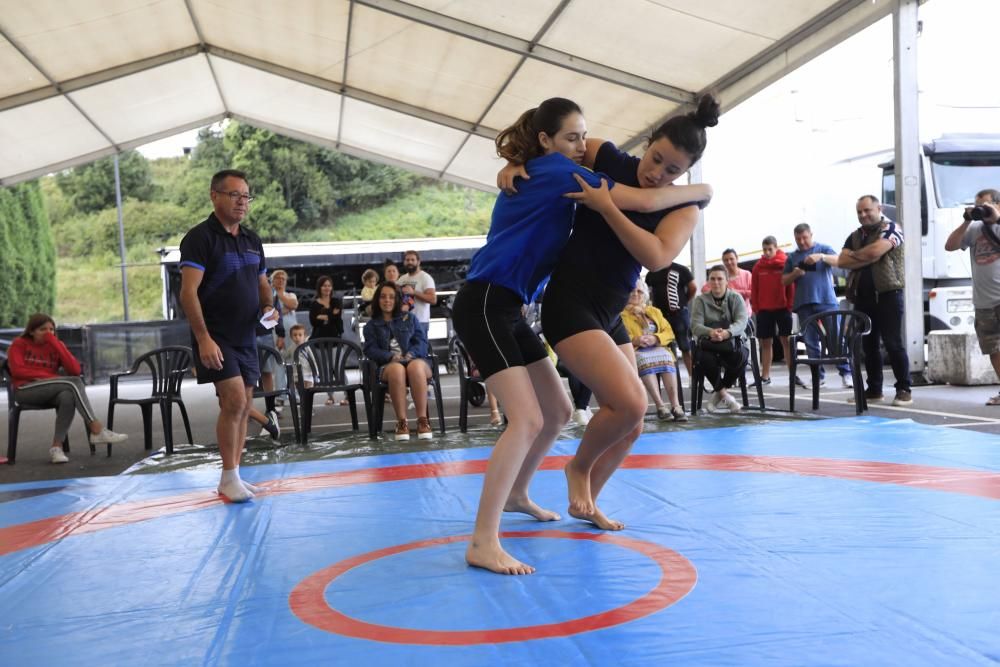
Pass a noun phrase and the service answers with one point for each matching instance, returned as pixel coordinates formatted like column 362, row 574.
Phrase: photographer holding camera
column 980, row 233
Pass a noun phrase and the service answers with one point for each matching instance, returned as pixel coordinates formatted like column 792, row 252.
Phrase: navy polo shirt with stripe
column 229, row 292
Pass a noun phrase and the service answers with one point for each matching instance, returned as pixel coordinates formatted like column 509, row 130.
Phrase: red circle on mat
column 308, row 599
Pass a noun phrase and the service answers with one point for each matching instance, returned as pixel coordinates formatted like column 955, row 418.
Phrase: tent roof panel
column 142, row 104
column 477, row 162
column 428, row 82
column 43, row 133
column 520, row 18
column 425, row 66
column 402, row 137
column 17, row 74
column 70, row 39
column 304, row 36
column 693, row 57
column 780, row 17
column 277, row 101
column 612, row 112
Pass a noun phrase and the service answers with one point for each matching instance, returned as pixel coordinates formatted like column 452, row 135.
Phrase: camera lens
column 978, row 212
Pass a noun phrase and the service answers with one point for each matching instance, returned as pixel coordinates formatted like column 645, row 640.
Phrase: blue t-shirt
column 815, row 286
column 594, row 249
column 229, row 292
column 529, row 229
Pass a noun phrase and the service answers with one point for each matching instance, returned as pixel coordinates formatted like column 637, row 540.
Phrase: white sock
column 247, row 485
column 231, row 487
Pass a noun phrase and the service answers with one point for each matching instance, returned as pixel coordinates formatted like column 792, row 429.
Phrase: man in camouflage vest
column 874, row 255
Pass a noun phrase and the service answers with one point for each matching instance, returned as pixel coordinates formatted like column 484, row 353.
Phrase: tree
column 92, row 187
column 27, row 267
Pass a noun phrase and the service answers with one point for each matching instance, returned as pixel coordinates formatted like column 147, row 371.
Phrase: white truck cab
column 953, row 169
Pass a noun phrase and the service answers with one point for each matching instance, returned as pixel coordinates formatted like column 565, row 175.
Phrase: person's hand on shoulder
column 598, row 199
column 506, row 176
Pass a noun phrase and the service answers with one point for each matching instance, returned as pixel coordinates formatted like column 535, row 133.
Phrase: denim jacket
column 404, row 329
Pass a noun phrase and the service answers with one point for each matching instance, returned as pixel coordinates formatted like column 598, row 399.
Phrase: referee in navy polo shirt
column 224, row 292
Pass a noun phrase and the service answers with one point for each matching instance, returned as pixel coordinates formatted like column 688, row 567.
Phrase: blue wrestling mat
column 856, row 541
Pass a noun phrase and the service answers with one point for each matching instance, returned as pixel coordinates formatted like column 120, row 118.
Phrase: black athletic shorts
column 236, row 362
column 680, row 322
column 570, row 307
column 771, row 322
column 488, row 320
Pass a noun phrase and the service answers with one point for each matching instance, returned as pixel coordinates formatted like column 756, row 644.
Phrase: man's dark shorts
column 771, row 322
column 680, row 322
column 236, row 362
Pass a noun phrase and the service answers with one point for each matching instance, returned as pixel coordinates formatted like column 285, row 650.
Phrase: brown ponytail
column 519, row 142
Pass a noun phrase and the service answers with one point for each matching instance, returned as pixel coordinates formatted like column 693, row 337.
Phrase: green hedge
column 27, row 255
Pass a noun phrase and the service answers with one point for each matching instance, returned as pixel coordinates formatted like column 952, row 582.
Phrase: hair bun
column 707, row 114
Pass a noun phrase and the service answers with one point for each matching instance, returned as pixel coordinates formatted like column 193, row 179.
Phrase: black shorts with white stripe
column 488, row 320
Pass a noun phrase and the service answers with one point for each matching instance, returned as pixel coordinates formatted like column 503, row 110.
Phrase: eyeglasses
column 236, row 196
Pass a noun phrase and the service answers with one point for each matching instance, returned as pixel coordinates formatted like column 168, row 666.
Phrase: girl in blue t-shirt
column 591, row 283
column 527, row 232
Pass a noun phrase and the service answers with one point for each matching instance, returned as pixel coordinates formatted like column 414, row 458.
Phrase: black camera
column 978, row 213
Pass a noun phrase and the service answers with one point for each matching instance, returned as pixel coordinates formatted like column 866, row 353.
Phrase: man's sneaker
column 56, row 455
column 763, row 381
column 106, row 437
column 678, row 414
column 730, row 402
column 582, row 417
column 271, row 427
column 870, row 396
column 799, row 383
column 847, row 381
column 712, row 404
column 903, row 398
column 424, row 430
column 402, row 430
column 663, row 412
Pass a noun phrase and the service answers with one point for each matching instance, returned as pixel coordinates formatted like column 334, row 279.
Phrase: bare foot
column 528, row 506
column 495, row 559
column 580, row 504
column 599, row 519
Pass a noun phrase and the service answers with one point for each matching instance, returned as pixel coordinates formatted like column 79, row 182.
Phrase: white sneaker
column 582, row 417
column 56, row 455
column 271, row 428
column 106, row 437
column 847, row 381
column 732, row 403
column 712, row 405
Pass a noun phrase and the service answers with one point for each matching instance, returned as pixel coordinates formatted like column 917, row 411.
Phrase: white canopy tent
column 420, row 85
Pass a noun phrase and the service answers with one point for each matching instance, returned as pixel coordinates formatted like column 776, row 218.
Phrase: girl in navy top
column 591, row 283
column 395, row 342
column 527, row 232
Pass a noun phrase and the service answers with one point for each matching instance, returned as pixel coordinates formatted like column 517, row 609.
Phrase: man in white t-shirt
column 420, row 286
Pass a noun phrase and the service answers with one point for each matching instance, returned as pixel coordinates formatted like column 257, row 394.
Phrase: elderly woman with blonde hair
column 651, row 334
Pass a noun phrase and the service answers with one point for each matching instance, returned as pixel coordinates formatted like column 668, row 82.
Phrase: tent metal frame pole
column 121, row 236
column 697, row 242
column 905, row 29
